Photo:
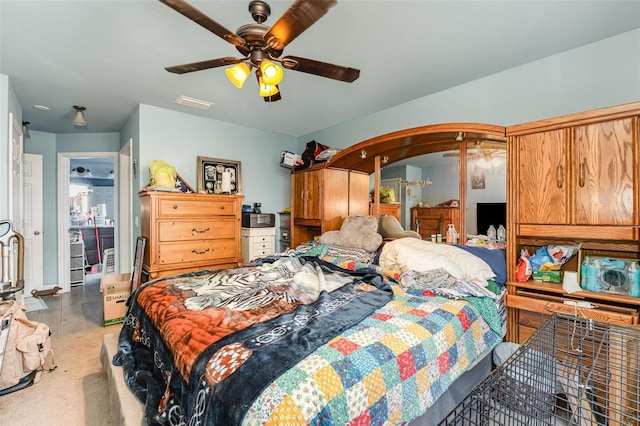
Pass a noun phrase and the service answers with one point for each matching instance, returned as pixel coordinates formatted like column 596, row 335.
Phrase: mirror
column 433, row 180
column 486, row 194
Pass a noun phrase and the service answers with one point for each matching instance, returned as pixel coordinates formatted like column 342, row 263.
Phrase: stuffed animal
column 162, row 174
column 391, row 228
column 356, row 232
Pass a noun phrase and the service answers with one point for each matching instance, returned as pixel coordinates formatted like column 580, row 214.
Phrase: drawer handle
column 200, row 232
column 560, row 176
column 221, row 207
column 583, row 166
column 199, row 252
column 175, row 207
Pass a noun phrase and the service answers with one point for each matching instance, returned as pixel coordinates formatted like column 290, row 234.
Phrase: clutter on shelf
column 313, row 153
column 545, row 264
column 610, row 275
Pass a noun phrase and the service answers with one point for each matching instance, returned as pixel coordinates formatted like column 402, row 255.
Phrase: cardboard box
column 116, row 289
column 289, row 159
column 548, row 276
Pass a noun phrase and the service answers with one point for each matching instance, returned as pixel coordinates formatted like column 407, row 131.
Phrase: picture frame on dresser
column 218, row 176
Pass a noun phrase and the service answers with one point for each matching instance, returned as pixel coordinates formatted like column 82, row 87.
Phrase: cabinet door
column 604, row 161
column 306, row 195
column 543, row 178
column 313, row 182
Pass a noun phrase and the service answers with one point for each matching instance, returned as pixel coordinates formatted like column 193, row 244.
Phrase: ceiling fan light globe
column 267, row 89
column 79, row 119
column 272, row 74
column 238, row 74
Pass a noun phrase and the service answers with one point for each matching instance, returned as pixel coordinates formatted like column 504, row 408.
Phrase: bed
column 318, row 335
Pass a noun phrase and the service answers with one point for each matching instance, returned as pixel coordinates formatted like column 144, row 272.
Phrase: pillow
column 408, row 254
column 356, row 232
column 495, row 258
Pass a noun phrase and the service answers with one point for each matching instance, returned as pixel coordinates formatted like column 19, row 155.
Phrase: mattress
column 128, row 411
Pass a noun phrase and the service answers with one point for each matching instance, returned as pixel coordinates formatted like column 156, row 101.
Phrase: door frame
column 64, row 164
column 123, row 258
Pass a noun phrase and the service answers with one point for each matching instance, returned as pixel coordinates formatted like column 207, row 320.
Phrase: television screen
column 490, row 214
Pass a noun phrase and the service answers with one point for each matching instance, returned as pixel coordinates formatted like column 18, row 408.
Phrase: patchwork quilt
column 388, row 369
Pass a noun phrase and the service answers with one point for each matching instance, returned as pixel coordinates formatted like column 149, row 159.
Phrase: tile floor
column 78, row 310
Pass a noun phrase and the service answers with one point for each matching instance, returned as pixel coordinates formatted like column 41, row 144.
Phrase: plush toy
column 387, row 195
column 162, row 174
column 356, row 232
column 391, row 228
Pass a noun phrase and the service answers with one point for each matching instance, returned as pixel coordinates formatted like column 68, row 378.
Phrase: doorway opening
column 87, row 214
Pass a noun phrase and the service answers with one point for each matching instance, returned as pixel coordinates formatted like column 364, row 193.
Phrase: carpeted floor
column 75, row 394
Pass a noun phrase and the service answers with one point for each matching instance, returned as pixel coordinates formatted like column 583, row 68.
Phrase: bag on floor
column 27, row 347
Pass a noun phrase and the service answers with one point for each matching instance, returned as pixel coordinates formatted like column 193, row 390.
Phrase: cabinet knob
column 36, row 233
column 175, row 207
column 221, row 207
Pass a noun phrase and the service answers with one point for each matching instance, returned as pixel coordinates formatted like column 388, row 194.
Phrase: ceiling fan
column 261, row 45
column 485, row 158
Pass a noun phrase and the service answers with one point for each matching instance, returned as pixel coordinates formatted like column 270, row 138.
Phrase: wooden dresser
column 190, row 232
column 573, row 179
column 434, row 220
column 389, row 209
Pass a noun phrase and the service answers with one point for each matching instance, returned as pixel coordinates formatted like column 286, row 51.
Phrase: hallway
column 78, row 310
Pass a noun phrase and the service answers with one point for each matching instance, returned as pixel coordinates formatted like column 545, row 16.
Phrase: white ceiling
column 110, row 55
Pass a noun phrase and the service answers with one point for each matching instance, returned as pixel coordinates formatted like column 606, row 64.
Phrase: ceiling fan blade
column 203, row 65
column 295, row 20
column 323, row 69
column 197, row 16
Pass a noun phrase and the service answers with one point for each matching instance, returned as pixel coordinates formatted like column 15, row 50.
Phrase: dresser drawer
column 550, row 305
column 200, row 207
column 263, row 245
column 196, row 251
column 196, row 230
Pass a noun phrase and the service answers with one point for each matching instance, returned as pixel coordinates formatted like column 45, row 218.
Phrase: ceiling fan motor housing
column 260, row 11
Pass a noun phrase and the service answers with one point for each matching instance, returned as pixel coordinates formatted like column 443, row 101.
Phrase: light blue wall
column 594, row 76
column 179, row 139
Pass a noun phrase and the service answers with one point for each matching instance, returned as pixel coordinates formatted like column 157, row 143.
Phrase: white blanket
column 405, row 254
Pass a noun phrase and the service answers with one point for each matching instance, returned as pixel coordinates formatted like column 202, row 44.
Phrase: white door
column 14, row 204
column 32, row 223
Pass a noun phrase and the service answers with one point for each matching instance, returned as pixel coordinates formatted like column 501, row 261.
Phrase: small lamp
column 25, row 130
column 271, row 73
column 79, row 119
column 238, row 73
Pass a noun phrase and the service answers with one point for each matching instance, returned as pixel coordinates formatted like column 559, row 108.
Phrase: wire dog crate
column 572, row 371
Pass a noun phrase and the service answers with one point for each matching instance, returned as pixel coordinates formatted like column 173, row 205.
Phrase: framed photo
column 136, row 275
column 477, row 178
column 217, row 176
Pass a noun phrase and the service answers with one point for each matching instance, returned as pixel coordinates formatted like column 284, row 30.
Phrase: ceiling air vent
column 193, row 102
